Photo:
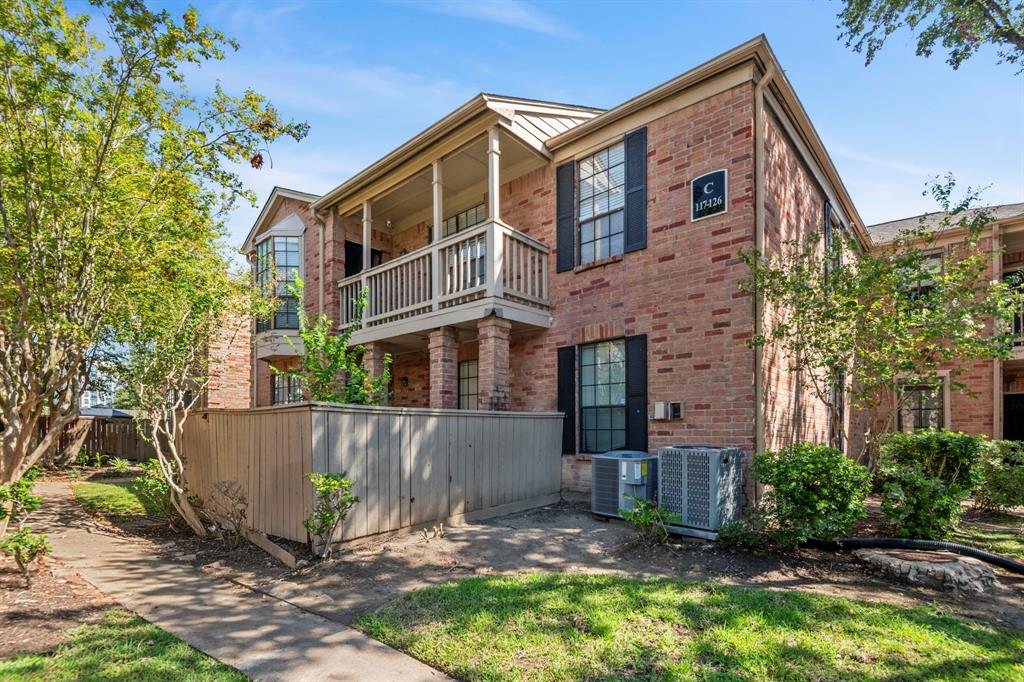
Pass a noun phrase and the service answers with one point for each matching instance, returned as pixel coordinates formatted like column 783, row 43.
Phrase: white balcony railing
column 489, row 260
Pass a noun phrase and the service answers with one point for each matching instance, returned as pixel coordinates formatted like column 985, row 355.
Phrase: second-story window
column 463, row 220
column 602, row 201
column 278, row 257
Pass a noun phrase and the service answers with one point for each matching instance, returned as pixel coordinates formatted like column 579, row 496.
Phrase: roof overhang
column 276, row 197
column 519, row 117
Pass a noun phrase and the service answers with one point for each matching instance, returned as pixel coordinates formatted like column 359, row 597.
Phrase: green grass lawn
column 123, row 647
column 580, row 627
column 1007, row 540
column 115, row 500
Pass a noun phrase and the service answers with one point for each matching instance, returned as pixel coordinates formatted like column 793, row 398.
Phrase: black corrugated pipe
column 907, row 543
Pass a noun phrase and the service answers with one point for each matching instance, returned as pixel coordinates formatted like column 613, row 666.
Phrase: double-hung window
column 277, row 268
column 921, row 407
column 603, row 396
column 931, row 265
column 602, row 201
column 463, row 220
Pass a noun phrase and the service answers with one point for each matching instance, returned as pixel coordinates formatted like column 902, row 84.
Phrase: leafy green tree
column 109, row 169
column 870, row 320
column 331, row 369
column 961, row 26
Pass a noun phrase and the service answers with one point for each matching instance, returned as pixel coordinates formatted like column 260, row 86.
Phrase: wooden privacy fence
column 113, row 437
column 408, row 466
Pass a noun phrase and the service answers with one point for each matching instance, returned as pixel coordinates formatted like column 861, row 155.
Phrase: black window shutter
column 636, row 190
column 565, row 247
column 567, row 396
column 636, row 392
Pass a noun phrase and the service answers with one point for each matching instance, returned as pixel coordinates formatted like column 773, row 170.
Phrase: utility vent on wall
column 703, row 485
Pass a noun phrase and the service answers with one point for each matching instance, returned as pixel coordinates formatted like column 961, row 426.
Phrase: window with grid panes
column 922, row 407
column 284, row 389
column 603, row 396
column 602, row 200
column 469, row 385
column 463, row 220
column 279, row 256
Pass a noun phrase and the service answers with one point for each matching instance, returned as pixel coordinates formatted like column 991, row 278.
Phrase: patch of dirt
column 36, row 619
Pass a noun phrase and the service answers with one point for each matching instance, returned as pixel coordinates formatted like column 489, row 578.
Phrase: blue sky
column 369, row 76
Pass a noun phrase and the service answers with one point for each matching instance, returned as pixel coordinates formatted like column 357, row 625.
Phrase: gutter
column 759, row 243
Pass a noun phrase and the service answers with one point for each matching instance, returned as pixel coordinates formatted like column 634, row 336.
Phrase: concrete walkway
column 264, row 638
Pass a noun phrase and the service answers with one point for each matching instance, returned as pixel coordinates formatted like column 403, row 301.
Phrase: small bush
column 920, row 506
column 813, row 491
column 745, row 534
column 120, row 464
column 334, row 499
column 153, row 488
column 650, row 520
column 1001, row 470
column 17, row 500
column 27, row 548
column 925, row 476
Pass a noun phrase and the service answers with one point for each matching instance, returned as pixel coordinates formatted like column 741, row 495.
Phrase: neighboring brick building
column 993, row 402
column 530, row 255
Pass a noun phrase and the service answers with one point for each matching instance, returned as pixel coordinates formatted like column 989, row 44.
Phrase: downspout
column 997, row 364
column 320, row 259
column 759, row 245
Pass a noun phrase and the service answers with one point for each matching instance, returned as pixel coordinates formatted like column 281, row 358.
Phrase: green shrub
column 925, row 476
column 26, row 547
column 920, row 506
column 18, row 496
column 152, row 487
column 120, row 464
column 813, row 491
column 650, row 520
column 946, row 455
column 1001, row 470
column 334, row 499
column 743, row 533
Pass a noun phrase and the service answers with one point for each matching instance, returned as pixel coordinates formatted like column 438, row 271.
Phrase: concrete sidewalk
column 264, row 638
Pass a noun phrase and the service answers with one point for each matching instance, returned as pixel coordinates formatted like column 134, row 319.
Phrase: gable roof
column 883, row 233
column 277, row 195
column 532, row 121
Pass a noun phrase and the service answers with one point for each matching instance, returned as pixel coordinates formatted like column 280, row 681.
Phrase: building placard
column 710, row 194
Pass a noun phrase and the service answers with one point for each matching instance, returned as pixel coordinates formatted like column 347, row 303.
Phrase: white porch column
column 367, row 233
column 436, row 273
column 493, row 175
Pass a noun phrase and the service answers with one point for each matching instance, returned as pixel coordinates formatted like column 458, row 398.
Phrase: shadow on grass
column 122, row 647
column 607, row 627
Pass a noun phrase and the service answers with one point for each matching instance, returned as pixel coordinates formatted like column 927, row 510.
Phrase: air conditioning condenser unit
column 620, row 475
column 703, row 485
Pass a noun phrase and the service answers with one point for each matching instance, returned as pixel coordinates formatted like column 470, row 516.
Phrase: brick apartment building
column 531, row 255
column 993, row 402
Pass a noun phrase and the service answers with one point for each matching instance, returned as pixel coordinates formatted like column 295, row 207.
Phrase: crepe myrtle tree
column 106, row 162
column 862, row 324
column 961, row 26
column 330, row 368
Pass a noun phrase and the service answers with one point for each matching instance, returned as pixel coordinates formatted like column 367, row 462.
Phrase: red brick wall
column 230, row 358
column 681, row 291
column 794, row 210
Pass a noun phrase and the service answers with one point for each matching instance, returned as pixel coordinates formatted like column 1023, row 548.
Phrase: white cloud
column 506, row 12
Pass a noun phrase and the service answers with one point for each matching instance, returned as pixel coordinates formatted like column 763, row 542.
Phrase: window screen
column 602, row 200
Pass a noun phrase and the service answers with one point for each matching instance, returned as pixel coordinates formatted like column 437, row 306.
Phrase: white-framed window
column 1016, row 278
column 931, row 265
column 922, row 406
column 284, row 389
column 279, row 256
column 603, row 396
column 469, row 385
column 463, row 220
column 601, row 204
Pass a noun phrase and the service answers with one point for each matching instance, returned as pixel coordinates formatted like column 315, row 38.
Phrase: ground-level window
column 602, row 202
column 603, row 396
column 284, row 389
column 921, row 407
column 469, row 385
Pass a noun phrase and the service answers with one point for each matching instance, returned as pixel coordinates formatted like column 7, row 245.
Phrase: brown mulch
column 36, row 619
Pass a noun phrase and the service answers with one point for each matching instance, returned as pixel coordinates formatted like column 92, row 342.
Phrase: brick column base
column 493, row 334
column 373, row 362
column 444, row 368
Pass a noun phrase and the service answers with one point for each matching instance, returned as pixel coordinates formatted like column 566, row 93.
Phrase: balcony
column 489, row 268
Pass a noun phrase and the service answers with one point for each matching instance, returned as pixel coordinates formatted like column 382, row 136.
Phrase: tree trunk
column 188, row 512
